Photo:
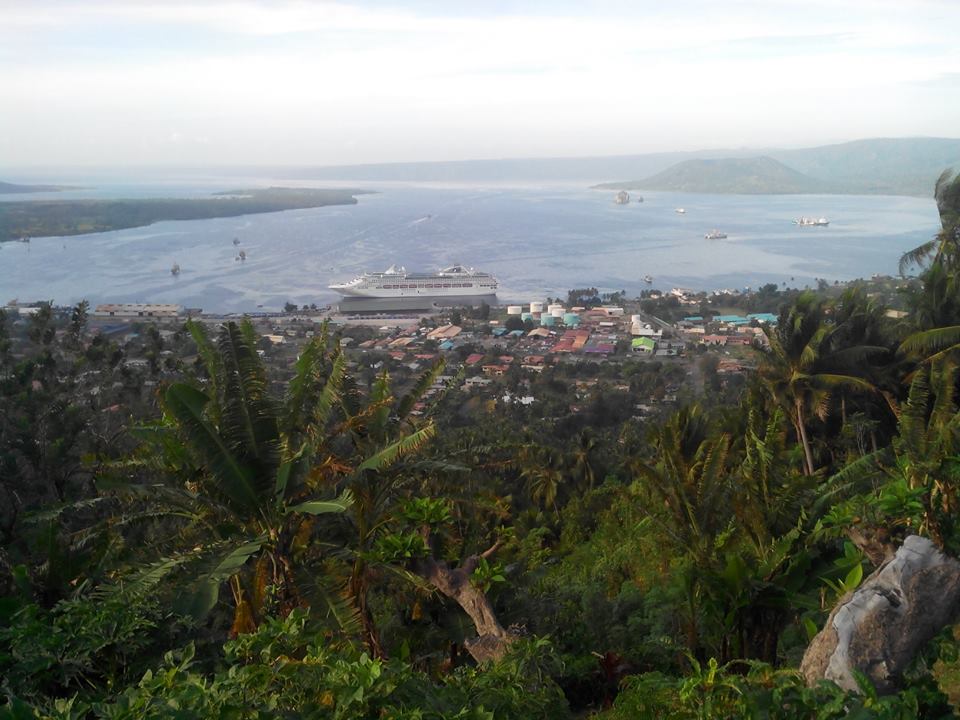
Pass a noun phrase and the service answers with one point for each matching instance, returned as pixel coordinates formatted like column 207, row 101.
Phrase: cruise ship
column 395, row 282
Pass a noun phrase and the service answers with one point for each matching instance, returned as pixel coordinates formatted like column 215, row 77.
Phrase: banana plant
column 242, row 472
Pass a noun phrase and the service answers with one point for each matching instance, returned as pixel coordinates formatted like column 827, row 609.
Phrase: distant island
column 42, row 218
column 882, row 166
column 875, row 166
column 751, row 176
column 16, row 189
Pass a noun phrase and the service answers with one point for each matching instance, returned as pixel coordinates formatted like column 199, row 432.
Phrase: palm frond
column 381, row 398
column 918, row 256
column 929, row 342
column 145, row 580
column 249, row 421
column 330, row 395
column 322, row 507
column 944, row 388
column 416, row 393
column 301, row 391
column 233, row 479
column 401, row 448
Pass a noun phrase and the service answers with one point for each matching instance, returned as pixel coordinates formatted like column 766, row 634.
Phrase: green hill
column 756, row 175
column 882, row 166
column 13, row 188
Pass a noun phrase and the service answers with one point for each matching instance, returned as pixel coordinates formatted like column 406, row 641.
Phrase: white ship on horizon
column 395, row 282
column 811, row 222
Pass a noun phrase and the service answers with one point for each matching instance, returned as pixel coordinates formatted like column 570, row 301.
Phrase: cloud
column 302, row 81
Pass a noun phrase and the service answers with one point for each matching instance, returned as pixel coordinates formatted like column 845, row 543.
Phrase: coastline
column 64, row 218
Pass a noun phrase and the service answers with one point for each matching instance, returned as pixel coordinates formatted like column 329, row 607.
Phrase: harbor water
column 538, row 242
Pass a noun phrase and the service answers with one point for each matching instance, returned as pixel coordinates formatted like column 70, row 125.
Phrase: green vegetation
column 40, row 218
column 729, row 175
column 882, row 166
column 192, row 528
column 12, row 188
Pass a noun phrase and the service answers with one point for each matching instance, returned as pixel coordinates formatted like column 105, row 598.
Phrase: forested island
column 7, row 188
column 750, row 176
column 43, row 218
column 277, row 517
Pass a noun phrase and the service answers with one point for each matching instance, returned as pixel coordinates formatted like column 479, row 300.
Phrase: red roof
column 473, row 359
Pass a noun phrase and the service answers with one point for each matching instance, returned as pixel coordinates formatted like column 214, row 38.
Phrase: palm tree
column 945, row 247
column 584, row 461
column 912, row 485
column 687, row 489
column 937, row 309
column 541, row 467
column 806, row 362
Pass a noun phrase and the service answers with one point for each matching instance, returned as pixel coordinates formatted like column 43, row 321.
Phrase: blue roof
column 497, row 332
column 693, row 318
column 517, row 333
column 764, row 317
column 731, row 319
column 446, row 345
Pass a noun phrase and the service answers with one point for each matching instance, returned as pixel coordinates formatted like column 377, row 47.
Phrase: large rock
column 878, row 628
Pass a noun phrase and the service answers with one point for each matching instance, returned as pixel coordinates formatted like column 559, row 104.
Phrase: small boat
column 236, row 241
column 242, row 256
column 621, row 198
column 715, row 235
column 175, row 270
column 680, row 211
column 811, row 222
column 648, row 279
column 25, row 239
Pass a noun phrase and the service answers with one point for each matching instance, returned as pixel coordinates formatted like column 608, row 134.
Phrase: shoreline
column 26, row 219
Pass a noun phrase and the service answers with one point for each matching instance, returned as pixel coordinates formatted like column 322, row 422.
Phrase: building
column 444, row 332
column 643, row 344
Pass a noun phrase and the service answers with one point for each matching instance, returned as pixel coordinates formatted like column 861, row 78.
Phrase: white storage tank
column 536, row 307
column 514, row 309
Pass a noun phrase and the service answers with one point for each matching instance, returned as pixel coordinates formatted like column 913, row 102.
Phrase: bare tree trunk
column 358, row 590
column 492, row 641
column 807, row 453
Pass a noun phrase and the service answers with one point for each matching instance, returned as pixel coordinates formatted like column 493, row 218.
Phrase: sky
column 303, row 82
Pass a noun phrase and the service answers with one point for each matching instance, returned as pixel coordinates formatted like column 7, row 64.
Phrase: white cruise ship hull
column 414, row 292
column 455, row 281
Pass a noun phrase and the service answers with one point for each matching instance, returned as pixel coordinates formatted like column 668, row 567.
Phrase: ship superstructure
column 397, row 282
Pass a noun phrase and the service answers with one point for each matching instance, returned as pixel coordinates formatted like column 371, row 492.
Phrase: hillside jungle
column 203, row 547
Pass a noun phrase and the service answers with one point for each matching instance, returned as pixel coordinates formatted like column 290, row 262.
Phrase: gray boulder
column 878, row 628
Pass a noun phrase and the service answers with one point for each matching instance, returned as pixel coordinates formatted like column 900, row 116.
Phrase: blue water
column 538, row 242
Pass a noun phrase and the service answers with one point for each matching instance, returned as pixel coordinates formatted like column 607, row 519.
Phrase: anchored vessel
column 397, row 282
column 715, row 235
column 809, row 221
